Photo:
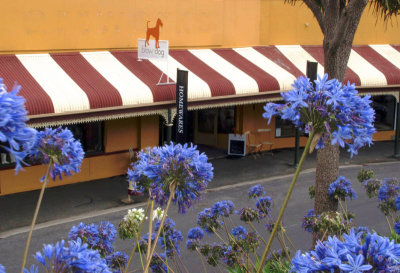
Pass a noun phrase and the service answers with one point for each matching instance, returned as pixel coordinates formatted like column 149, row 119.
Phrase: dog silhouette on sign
column 153, row 31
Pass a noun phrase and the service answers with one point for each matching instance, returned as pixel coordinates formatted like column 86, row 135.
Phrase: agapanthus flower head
column 195, row 233
column 208, row 221
column 334, row 112
column 15, row 137
column 222, row 208
column 192, row 244
column 341, row 189
column 158, row 263
column 256, row 191
column 378, row 254
column 100, row 237
column 178, row 167
column 387, row 195
column 372, row 186
column 397, row 227
column 73, row 257
column 397, row 202
column 59, row 146
column 32, row 269
column 239, row 232
column 170, row 238
column 129, row 226
column 308, row 223
column 250, row 215
column 2, row 269
column 264, row 204
column 158, row 214
column 389, row 189
column 117, row 261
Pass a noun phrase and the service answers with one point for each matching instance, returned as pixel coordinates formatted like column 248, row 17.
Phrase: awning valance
column 85, row 86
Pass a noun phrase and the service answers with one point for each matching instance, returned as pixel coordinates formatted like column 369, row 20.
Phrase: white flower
column 136, row 215
column 158, row 213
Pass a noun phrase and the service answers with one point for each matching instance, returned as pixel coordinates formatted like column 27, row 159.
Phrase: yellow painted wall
column 102, row 24
column 282, row 23
column 253, row 120
column 149, row 126
column 121, row 134
column 92, row 168
column 65, row 25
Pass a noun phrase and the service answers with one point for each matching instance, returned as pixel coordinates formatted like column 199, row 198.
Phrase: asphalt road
column 367, row 214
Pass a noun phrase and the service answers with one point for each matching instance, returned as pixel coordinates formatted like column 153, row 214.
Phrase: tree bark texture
column 327, row 171
column 338, row 22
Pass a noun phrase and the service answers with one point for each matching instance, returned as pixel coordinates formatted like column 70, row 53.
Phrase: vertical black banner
column 181, row 106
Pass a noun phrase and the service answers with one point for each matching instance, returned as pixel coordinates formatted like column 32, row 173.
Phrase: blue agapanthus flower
column 117, row 261
column 341, row 189
column 397, row 227
column 158, row 263
column 32, row 269
column 309, row 221
column 181, row 167
column 389, row 189
column 264, row 204
column 195, row 233
column 334, row 112
column 15, row 137
column 74, row 257
column 100, row 237
column 357, row 252
column 223, row 208
column 2, row 269
column 239, row 232
column 60, row 146
column 256, row 191
column 170, row 238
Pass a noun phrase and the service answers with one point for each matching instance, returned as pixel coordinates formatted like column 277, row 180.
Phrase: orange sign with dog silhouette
column 153, row 31
column 153, row 48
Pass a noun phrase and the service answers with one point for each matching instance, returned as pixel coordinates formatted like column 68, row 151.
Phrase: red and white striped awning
column 82, row 86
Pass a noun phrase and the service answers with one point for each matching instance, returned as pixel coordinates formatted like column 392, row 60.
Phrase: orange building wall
column 92, row 168
column 65, row 25
column 119, row 136
column 48, row 25
column 253, row 120
column 282, row 23
column 149, row 126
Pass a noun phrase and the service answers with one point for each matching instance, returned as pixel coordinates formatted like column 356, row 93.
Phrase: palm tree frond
column 386, row 8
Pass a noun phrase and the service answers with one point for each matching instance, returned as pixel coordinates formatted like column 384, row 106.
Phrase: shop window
column 284, row 128
column 226, row 120
column 90, row 135
column 385, row 109
column 206, row 119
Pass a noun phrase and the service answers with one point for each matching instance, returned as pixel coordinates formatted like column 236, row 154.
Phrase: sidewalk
column 71, row 200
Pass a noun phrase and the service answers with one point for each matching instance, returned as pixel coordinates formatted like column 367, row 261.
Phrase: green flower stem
column 165, row 249
column 255, row 230
column 281, row 240
column 290, row 241
column 219, row 236
column 28, row 241
column 202, row 260
column 148, row 252
column 344, row 209
column 390, row 226
column 153, row 248
column 180, row 260
column 285, row 202
column 137, row 240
